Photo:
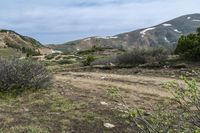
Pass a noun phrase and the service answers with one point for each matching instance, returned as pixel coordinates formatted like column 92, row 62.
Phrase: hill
column 163, row 35
column 12, row 43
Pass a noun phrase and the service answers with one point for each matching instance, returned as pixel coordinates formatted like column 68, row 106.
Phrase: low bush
column 65, row 61
column 30, row 52
column 51, row 56
column 20, row 75
column 89, row 60
column 58, row 57
column 92, row 50
column 142, row 56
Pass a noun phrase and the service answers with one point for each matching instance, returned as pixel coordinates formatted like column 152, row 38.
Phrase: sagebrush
column 20, row 75
column 142, row 56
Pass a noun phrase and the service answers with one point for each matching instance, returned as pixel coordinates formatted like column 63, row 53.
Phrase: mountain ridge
column 164, row 35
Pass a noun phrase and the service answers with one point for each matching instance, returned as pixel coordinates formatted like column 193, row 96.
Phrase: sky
column 59, row 21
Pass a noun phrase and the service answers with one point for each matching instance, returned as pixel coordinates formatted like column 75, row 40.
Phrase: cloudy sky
column 58, row 21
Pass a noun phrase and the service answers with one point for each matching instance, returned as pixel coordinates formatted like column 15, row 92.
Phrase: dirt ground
column 137, row 91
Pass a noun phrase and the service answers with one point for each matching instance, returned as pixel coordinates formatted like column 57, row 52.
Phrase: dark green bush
column 189, row 46
column 30, row 52
column 142, row 56
column 92, row 50
column 51, row 56
column 89, row 60
column 58, row 57
column 20, row 75
column 65, row 61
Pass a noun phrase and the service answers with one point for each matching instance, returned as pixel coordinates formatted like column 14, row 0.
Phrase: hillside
column 12, row 43
column 165, row 35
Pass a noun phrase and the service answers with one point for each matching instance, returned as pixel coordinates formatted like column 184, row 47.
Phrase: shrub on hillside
column 65, row 61
column 89, row 59
column 20, row 75
column 189, row 46
column 51, row 56
column 142, row 56
column 30, row 52
column 92, row 50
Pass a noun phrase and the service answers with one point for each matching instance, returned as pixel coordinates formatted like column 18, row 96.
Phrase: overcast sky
column 58, row 21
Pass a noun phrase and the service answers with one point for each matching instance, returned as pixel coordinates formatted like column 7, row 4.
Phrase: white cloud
column 63, row 20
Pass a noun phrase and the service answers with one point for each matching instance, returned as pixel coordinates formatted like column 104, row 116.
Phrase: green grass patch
column 9, row 52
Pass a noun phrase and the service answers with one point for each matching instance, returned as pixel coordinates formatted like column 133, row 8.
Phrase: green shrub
column 89, row 60
column 142, row 56
column 58, row 57
column 20, row 75
column 181, row 114
column 30, row 52
column 92, row 50
column 51, row 56
column 65, row 61
column 189, row 46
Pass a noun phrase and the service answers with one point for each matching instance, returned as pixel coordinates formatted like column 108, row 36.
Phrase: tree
column 189, row 46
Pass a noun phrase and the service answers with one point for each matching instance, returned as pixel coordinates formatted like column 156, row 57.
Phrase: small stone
column 173, row 76
column 103, row 78
column 26, row 109
column 108, row 125
column 104, row 103
column 119, row 104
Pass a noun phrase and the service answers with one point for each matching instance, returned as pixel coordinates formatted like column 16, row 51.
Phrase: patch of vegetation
column 42, row 111
column 65, row 61
column 13, row 46
column 51, row 56
column 189, row 46
column 24, row 50
column 113, row 93
column 9, row 52
column 92, row 50
column 142, row 56
column 58, row 57
column 34, row 42
column 30, row 52
column 89, row 59
column 180, row 114
column 19, row 75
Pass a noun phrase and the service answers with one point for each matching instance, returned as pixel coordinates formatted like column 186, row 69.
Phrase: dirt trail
column 137, row 90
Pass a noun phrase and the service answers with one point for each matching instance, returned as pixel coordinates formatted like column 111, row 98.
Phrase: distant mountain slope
column 165, row 35
column 12, row 40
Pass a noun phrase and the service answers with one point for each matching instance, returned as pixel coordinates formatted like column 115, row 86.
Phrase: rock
column 103, row 78
column 112, row 65
column 173, row 76
column 26, row 109
column 103, row 103
column 109, row 125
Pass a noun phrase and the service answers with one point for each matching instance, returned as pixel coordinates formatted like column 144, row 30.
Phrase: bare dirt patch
column 139, row 91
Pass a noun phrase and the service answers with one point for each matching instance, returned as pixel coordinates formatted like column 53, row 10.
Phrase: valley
column 126, row 83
